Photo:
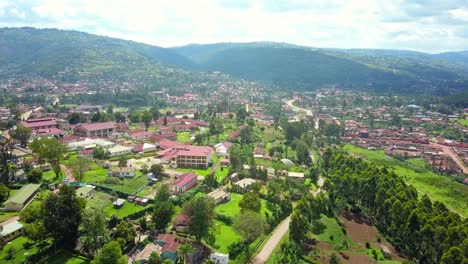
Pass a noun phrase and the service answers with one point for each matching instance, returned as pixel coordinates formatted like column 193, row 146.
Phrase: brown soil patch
column 348, row 258
column 361, row 230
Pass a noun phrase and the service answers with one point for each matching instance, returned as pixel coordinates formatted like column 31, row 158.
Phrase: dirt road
column 274, row 240
column 449, row 152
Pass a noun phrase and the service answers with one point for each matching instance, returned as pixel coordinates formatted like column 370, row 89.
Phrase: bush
column 368, row 245
column 224, row 218
column 236, row 248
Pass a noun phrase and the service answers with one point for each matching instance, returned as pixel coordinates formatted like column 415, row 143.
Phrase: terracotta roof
column 97, row 126
column 165, row 144
column 185, row 179
column 182, row 219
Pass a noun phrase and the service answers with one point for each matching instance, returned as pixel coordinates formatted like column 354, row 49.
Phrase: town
column 209, row 178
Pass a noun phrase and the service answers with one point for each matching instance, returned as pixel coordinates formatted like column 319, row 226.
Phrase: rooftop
column 10, row 227
column 185, row 178
column 23, row 194
column 97, row 126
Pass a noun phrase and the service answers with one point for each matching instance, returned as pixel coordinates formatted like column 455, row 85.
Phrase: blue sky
column 423, row 25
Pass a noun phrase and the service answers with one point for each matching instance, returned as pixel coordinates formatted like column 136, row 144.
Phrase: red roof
column 138, row 148
column 185, row 179
column 182, row 219
column 49, row 131
column 39, row 123
column 165, row 144
column 69, row 139
column 97, row 126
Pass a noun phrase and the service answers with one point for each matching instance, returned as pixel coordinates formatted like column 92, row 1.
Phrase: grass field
column 183, row 137
column 17, row 248
column 332, row 233
column 129, row 185
column 463, row 122
column 226, row 235
column 127, row 209
column 201, row 172
column 65, row 257
column 440, row 188
column 99, row 201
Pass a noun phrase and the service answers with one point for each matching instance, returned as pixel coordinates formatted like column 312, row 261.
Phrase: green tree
column 163, row 194
column 34, row 176
column 33, row 219
column 123, row 161
column 302, row 152
column 162, row 214
column 155, row 114
column 146, row 119
column 200, row 210
column 110, row 254
column 157, row 169
column 250, row 225
column 7, row 159
column 184, row 250
column 79, row 165
column 76, row 118
column 155, row 258
column 134, row 117
column 22, row 135
column 298, row 227
column 241, row 115
column 62, row 216
column 453, row 256
column 94, row 231
column 51, row 151
column 251, row 201
column 4, row 190
column 124, row 233
column 334, row 259
column 100, row 153
column 119, row 117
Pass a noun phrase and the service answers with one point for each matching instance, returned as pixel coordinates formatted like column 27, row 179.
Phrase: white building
column 10, row 231
column 119, row 150
column 219, row 258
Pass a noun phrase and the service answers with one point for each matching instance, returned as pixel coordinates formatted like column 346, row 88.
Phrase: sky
column 423, row 25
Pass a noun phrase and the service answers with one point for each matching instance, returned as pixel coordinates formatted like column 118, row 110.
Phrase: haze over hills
column 74, row 55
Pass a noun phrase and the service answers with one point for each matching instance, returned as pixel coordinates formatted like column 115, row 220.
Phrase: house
column 139, row 134
column 45, row 123
column 102, row 129
column 188, row 156
column 144, row 148
column 219, row 258
column 244, row 183
column 222, row 149
column 259, row 152
column 87, row 192
column 181, row 223
column 141, row 201
column 169, row 246
column 125, row 172
column 167, row 144
column 220, row 196
column 119, row 150
column 10, row 231
column 296, row 175
column 22, row 197
column 118, row 203
column 89, row 143
column 185, row 182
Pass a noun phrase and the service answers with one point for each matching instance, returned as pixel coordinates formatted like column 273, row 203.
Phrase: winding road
column 279, row 233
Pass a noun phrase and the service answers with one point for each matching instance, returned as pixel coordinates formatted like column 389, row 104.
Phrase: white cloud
column 427, row 26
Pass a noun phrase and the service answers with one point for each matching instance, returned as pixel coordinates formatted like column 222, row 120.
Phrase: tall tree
column 95, row 232
column 51, row 151
column 79, row 165
column 123, row 161
column 7, row 159
column 200, row 210
column 250, row 225
column 163, row 194
column 124, row 233
column 250, row 201
column 110, row 254
column 184, row 250
column 62, row 216
column 146, row 118
column 33, row 219
column 162, row 214
column 22, row 135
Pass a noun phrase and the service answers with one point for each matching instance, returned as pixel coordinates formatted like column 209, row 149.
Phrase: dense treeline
column 424, row 230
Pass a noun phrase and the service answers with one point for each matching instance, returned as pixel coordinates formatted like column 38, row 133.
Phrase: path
column 449, row 152
column 307, row 111
column 279, row 233
column 68, row 173
column 274, row 240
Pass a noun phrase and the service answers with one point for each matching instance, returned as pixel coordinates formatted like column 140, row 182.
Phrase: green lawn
column 440, row 188
column 201, row 172
column 183, row 137
column 6, row 215
column 127, row 209
column 333, row 233
column 65, row 257
column 225, row 236
column 99, row 201
column 463, row 122
column 128, row 185
column 220, row 175
column 19, row 253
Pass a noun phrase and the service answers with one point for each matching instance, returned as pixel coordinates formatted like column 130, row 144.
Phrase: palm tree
column 184, row 250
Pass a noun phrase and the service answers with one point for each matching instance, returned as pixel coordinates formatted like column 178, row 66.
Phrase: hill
column 73, row 55
column 300, row 67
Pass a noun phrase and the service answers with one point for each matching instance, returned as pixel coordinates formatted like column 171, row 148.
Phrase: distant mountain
column 51, row 51
column 457, row 56
column 300, row 67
